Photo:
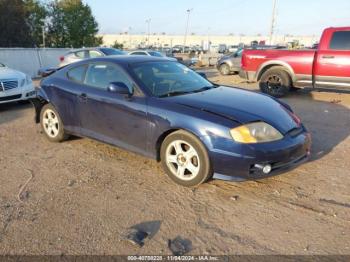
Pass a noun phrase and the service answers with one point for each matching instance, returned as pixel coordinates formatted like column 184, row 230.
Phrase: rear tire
column 52, row 124
column 185, row 159
column 275, row 82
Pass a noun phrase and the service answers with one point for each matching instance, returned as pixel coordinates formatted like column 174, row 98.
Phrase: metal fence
column 29, row 60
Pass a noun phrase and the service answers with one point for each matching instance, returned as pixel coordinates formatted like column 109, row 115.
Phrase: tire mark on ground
column 235, row 237
column 333, row 202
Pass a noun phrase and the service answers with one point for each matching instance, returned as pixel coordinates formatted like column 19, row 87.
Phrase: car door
column 110, row 117
column 332, row 67
column 64, row 92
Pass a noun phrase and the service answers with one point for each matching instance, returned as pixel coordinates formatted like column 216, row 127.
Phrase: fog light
column 265, row 168
column 32, row 93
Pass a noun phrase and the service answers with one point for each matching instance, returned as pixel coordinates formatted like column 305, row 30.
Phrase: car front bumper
column 243, row 162
column 18, row 94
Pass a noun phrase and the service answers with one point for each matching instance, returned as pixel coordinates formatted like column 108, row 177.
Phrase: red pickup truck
column 278, row 70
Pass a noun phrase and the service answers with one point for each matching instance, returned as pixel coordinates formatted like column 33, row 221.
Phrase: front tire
column 185, row 159
column 52, row 124
column 275, row 82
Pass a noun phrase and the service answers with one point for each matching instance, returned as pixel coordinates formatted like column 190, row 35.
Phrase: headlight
column 28, row 80
column 257, row 132
column 22, row 82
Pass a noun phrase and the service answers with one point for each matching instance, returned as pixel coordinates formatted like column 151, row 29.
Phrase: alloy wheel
column 274, row 84
column 182, row 159
column 51, row 123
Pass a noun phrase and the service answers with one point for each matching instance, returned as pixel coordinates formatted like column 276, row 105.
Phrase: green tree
column 72, row 24
column 36, row 16
column 14, row 28
column 118, row 45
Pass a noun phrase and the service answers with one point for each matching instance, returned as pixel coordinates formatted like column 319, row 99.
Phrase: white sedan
column 151, row 53
column 15, row 85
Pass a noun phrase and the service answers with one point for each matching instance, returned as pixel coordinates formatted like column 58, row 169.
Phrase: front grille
column 8, row 85
column 9, row 98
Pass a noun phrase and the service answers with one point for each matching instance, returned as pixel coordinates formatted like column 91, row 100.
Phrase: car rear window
column 340, row 40
column 77, row 74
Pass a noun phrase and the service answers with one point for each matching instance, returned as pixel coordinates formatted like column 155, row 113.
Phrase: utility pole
column 43, row 31
column 187, row 25
column 273, row 20
column 43, row 28
column 129, row 33
column 148, row 21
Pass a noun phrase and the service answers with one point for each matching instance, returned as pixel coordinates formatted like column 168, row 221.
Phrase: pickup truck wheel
column 224, row 69
column 275, row 82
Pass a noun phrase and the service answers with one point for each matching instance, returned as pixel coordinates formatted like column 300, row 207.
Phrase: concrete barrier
column 29, row 60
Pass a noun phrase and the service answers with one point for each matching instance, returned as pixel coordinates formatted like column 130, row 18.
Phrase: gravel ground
column 84, row 195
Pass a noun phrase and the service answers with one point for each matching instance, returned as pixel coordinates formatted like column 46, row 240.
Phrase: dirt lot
column 85, row 194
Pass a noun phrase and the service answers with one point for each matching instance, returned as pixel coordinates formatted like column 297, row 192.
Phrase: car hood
column 241, row 106
column 8, row 73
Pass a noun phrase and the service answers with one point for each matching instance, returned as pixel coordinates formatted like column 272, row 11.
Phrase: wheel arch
column 275, row 63
column 166, row 133
column 39, row 102
column 226, row 62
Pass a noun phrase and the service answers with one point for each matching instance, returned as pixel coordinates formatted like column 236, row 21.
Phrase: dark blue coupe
column 164, row 110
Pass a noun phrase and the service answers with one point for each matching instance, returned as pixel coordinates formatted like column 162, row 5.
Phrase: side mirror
column 119, row 88
column 202, row 74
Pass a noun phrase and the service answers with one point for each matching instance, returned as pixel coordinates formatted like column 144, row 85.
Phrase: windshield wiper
column 205, row 88
column 176, row 93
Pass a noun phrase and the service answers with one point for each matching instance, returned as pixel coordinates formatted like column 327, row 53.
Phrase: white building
column 162, row 40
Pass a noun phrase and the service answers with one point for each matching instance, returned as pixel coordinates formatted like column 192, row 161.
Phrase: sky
column 219, row 17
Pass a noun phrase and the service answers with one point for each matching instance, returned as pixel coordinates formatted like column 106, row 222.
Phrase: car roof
column 125, row 59
column 139, row 50
column 145, row 50
column 89, row 49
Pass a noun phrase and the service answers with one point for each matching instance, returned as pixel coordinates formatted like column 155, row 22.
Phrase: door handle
column 83, row 97
column 328, row 56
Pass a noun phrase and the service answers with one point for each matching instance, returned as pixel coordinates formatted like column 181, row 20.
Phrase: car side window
column 77, row 74
column 80, row 54
column 102, row 74
column 94, row 53
column 340, row 40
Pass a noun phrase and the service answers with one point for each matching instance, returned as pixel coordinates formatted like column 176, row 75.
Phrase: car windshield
column 165, row 79
column 112, row 51
column 157, row 54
